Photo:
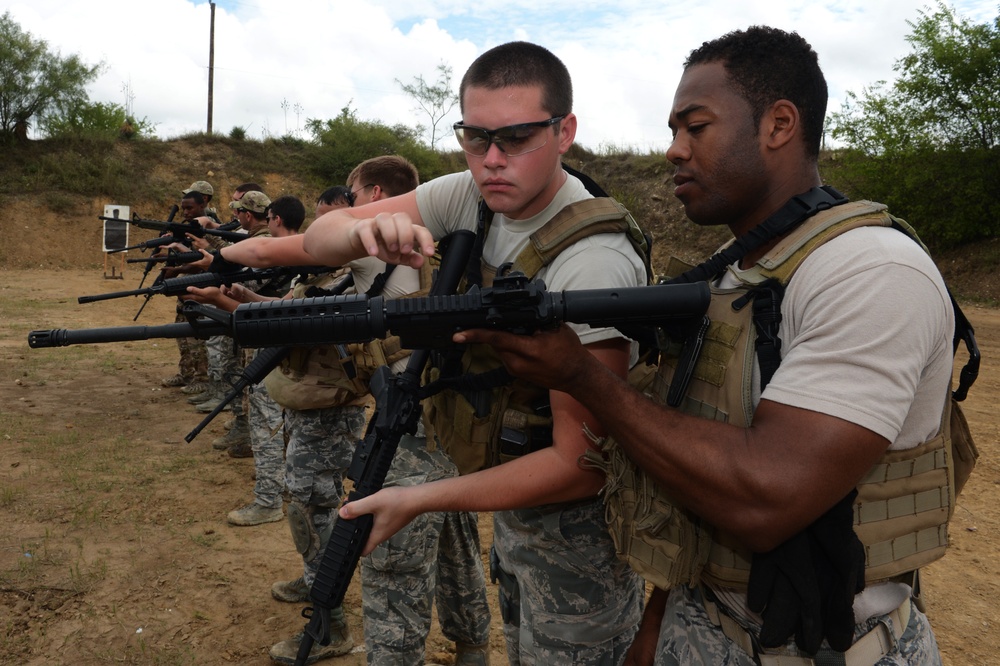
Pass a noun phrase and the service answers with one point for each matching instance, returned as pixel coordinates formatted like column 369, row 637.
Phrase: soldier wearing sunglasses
column 565, row 597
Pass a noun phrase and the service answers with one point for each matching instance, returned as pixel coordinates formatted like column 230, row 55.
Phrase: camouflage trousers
column 224, row 366
column 267, row 440
column 565, row 597
column 688, row 637
column 437, row 557
column 321, row 443
column 193, row 363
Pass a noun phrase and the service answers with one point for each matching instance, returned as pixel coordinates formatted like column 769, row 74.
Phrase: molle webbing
column 903, row 507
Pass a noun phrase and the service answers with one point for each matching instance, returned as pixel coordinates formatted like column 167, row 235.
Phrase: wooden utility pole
column 211, row 65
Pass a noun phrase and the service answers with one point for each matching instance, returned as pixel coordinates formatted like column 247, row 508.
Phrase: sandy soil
column 115, row 548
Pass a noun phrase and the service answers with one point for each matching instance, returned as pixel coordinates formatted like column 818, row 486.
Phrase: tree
column 929, row 144
column 346, row 141
column 947, row 95
column 435, row 100
column 34, row 81
column 95, row 120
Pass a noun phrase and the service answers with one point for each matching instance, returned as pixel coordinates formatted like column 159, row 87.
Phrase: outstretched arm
column 268, row 251
column 390, row 229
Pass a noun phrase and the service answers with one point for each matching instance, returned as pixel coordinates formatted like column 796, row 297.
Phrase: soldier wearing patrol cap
column 264, row 415
column 202, row 187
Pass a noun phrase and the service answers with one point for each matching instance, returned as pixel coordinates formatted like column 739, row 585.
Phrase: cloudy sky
column 281, row 62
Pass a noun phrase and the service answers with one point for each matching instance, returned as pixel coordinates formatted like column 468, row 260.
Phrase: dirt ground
column 114, row 547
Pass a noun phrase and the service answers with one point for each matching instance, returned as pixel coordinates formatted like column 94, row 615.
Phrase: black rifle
column 397, row 411
column 254, row 373
column 513, row 303
column 171, row 232
column 178, row 286
column 149, row 264
column 170, row 259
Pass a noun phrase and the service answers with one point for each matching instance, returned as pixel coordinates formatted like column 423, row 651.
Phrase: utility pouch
column 522, row 433
column 963, row 449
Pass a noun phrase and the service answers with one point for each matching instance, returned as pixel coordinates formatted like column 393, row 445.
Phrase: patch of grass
column 84, row 576
column 9, row 495
column 206, row 540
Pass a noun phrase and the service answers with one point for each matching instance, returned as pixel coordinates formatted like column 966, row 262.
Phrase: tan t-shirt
column 866, row 334
column 451, row 202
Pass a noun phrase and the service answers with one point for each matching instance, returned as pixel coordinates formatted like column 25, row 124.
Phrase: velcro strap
column 868, row 649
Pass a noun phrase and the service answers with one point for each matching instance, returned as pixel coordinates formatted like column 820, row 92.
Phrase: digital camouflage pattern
column 689, row 638
column 437, row 557
column 320, row 446
column 267, row 440
column 565, row 596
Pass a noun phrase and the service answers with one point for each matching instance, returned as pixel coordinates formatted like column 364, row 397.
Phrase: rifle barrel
column 61, row 337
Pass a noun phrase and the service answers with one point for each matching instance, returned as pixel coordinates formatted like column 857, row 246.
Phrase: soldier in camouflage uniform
column 565, row 597
column 192, row 367
column 437, row 555
column 400, row 581
column 227, row 363
column 261, row 218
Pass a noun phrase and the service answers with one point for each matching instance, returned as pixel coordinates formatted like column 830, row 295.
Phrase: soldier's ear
column 780, row 124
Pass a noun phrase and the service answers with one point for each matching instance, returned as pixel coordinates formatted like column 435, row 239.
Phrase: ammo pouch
column 316, row 378
column 964, row 453
column 485, row 418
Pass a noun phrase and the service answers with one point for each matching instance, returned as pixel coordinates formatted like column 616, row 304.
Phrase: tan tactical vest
column 903, row 504
column 333, row 375
column 493, row 425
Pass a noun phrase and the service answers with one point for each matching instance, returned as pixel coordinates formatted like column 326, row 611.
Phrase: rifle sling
column 795, row 211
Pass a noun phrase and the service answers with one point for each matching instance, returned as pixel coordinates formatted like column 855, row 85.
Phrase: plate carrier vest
column 904, row 503
column 487, row 417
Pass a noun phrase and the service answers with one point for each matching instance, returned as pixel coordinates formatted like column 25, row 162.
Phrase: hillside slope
column 45, row 226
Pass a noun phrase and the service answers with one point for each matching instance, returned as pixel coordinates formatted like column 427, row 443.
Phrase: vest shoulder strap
column 575, row 222
column 784, row 259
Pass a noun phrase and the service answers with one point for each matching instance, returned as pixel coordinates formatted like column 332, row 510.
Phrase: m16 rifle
column 513, row 303
column 173, row 232
column 178, row 286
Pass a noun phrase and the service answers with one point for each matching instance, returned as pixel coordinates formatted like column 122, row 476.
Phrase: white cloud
column 317, row 56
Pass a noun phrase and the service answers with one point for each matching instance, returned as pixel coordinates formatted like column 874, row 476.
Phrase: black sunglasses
column 512, row 140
